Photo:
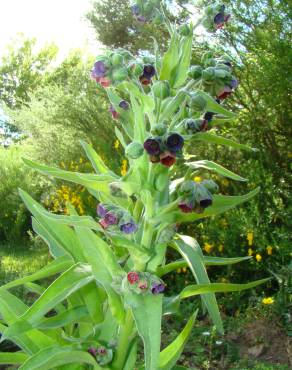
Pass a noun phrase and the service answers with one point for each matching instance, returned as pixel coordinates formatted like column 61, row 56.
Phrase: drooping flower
column 203, row 196
column 225, row 92
column 101, row 210
column 149, row 71
column 92, row 351
column 110, row 218
column 114, row 113
column 99, row 69
column 220, row 18
column 186, row 207
column 124, row 105
column 157, row 288
column 105, row 82
column 143, row 285
column 133, row 277
column 174, row 142
column 152, row 146
column 128, row 227
column 167, row 159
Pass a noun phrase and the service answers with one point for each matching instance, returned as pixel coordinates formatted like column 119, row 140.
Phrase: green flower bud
column 136, row 69
column 120, row 74
column 134, row 150
column 186, row 188
column 161, row 89
column 184, row 30
column 193, row 125
column 223, row 66
column 221, row 73
column 195, row 72
column 198, row 102
column 207, row 55
column 211, row 186
column 211, row 62
column 208, row 75
column 116, row 59
column 159, row 129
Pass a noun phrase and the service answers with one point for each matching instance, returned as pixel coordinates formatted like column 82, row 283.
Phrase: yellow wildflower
column 249, row 237
column 225, row 182
column 184, row 269
column 269, row 250
column 258, row 257
column 81, row 160
column 116, row 144
column 178, row 270
column 250, row 252
column 208, row 247
column 197, row 178
column 268, row 300
column 221, row 248
column 62, row 164
column 124, row 167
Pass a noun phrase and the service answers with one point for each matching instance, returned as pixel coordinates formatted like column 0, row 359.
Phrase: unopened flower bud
column 195, row 72
column 193, row 125
column 120, row 74
column 161, row 89
column 198, row 102
column 116, row 59
column 186, row 188
column 134, row 150
column 208, row 74
column 159, row 129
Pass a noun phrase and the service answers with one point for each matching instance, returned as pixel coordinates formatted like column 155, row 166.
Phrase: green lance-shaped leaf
column 55, row 267
column 193, row 290
column 69, row 282
column 104, row 267
column 147, row 312
column 60, row 236
column 213, row 106
column 191, row 251
column 90, row 181
column 120, row 137
column 69, row 316
column 208, row 261
column 93, row 297
column 212, row 166
column 95, row 159
column 146, row 100
column 221, row 203
column 170, row 58
column 15, row 358
column 169, row 356
column 132, row 356
column 11, row 308
column 220, row 140
column 172, row 105
column 140, row 126
column 51, row 358
column 184, row 60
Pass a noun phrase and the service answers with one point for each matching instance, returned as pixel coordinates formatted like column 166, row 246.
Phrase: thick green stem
column 123, row 342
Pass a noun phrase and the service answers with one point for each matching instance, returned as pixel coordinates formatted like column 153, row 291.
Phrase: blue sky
column 59, row 21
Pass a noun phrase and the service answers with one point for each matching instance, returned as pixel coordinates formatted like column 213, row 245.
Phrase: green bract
column 106, row 275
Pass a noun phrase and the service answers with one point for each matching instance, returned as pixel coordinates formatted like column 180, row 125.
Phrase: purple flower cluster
column 221, row 18
column 195, row 197
column 111, row 216
column 164, row 149
column 144, row 282
column 148, row 72
column 99, row 73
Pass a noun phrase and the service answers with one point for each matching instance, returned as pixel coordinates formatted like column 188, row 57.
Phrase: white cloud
column 59, row 21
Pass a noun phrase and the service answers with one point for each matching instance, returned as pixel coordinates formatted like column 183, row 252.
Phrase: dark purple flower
column 99, row 69
column 101, row 210
column 167, row 159
column 111, row 219
column 129, row 227
column 152, row 146
column 234, row 83
column 114, row 113
column 92, row 351
column 157, row 288
column 186, row 207
column 124, row 105
column 149, row 71
column 208, row 116
column 203, row 197
column 174, row 142
column 220, row 19
column 135, row 9
column 141, row 18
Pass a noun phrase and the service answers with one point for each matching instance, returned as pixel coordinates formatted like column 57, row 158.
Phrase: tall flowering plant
column 107, row 289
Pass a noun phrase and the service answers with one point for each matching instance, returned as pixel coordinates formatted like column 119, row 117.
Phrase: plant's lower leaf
column 69, row 316
column 147, row 312
column 169, row 356
column 55, row 267
column 132, row 356
column 51, row 358
column 191, row 252
column 213, row 106
column 14, row 358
